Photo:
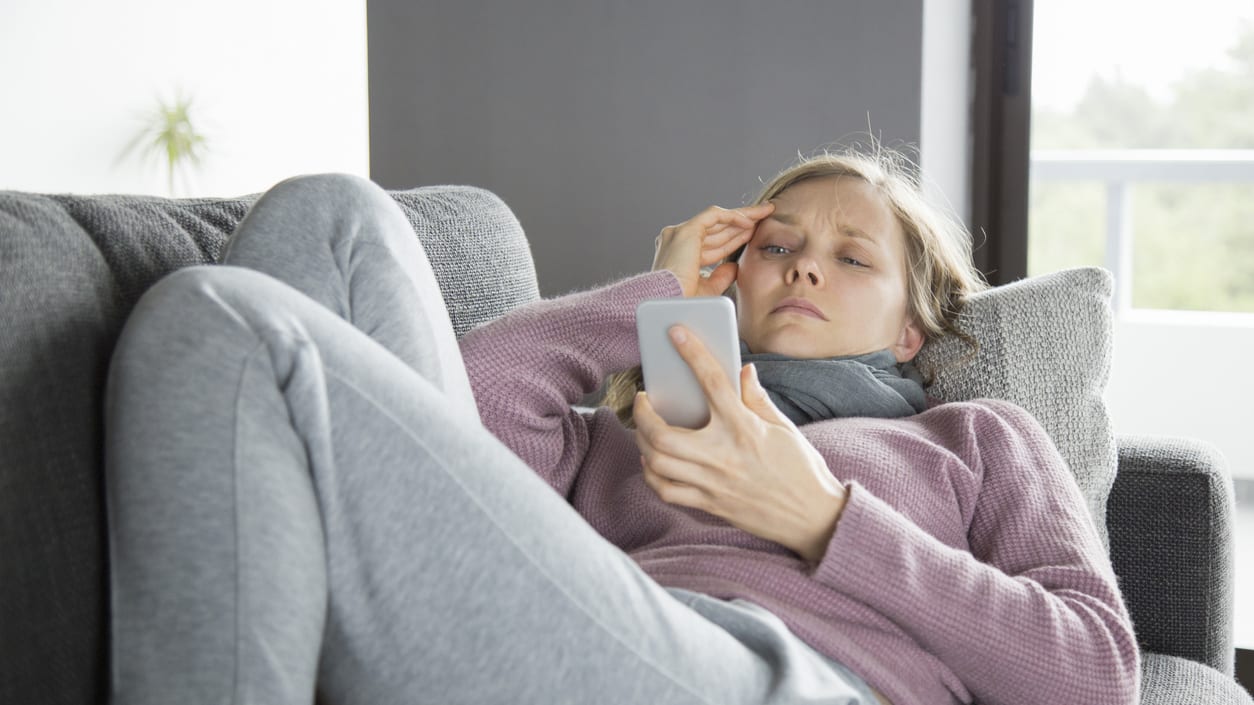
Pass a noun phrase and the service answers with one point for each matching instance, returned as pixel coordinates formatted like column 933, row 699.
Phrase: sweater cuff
column 610, row 312
column 860, row 557
column 661, row 284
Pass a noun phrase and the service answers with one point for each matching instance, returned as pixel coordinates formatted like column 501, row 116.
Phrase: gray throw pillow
column 1045, row 343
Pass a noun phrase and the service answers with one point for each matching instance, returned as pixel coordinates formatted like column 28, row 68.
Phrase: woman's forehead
column 842, row 204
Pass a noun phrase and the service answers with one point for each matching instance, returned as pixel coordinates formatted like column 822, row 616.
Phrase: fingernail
column 678, row 335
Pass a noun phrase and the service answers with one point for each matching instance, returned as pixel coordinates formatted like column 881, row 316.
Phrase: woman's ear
column 909, row 342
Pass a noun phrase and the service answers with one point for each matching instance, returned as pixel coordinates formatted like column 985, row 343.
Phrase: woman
column 302, row 498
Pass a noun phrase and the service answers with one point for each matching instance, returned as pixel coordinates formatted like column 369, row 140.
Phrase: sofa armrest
column 1170, row 680
column 1170, row 517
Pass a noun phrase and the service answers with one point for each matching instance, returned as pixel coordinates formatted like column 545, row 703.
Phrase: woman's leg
column 290, row 503
column 342, row 241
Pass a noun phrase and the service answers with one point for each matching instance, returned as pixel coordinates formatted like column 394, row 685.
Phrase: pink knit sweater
column 964, row 566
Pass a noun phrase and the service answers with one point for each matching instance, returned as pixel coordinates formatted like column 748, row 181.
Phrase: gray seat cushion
column 1170, row 680
column 71, row 268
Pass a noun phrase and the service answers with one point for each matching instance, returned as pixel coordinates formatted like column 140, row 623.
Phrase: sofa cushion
column 1045, row 343
column 71, row 269
column 58, row 303
column 1171, row 680
column 477, row 250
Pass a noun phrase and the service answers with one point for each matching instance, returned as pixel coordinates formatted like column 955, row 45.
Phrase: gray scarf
column 874, row 384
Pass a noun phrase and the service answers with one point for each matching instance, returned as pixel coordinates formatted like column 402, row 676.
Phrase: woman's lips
column 797, row 309
column 796, row 304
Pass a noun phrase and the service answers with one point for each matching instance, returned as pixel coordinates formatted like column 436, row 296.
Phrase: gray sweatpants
column 302, row 499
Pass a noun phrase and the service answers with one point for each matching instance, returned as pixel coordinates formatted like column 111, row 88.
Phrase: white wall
column 280, row 87
column 945, row 107
column 1179, row 373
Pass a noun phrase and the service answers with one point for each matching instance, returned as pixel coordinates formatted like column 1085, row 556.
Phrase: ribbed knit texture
column 964, row 566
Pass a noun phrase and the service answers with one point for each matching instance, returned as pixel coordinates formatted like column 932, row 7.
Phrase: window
column 1142, row 161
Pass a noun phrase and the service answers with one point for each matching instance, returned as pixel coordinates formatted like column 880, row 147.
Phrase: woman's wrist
column 814, row 547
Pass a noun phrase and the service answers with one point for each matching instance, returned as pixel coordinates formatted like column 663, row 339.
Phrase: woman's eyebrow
column 789, row 219
column 854, row 232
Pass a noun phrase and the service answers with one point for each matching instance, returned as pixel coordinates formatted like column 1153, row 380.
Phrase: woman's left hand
column 749, row 465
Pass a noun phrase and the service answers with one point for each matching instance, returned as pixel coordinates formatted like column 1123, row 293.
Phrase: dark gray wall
column 601, row 122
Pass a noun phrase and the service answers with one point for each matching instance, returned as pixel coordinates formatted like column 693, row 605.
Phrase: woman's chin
column 787, row 343
column 803, row 345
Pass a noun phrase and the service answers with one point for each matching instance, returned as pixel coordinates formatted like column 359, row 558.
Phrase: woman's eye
column 768, row 249
column 852, row 261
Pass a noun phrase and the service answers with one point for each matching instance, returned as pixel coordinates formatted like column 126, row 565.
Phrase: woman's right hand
column 703, row 240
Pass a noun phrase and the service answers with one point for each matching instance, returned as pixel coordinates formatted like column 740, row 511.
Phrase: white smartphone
column 672, row 386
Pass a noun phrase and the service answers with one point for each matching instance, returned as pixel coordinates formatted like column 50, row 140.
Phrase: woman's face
column 834, row 243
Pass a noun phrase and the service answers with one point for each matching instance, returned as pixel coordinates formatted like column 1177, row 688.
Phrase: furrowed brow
column 856, row 233
column 790, row 219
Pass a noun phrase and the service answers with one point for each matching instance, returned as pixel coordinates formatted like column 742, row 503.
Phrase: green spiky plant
column 169, row 135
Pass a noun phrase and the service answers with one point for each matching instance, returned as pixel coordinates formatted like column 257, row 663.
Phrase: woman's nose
column 806, row 266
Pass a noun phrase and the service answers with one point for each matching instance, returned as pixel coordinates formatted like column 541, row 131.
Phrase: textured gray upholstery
column 1170, row 516
column 1171, row 680
column 477, row 250
column 71, row 268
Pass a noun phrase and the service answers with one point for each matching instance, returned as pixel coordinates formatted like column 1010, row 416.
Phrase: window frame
column 1001, row 59
column 1001, row 106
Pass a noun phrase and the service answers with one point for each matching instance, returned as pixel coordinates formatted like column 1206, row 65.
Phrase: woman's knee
column 334, row 208
column 192, row 302
column 337, row 190
column 201, row 282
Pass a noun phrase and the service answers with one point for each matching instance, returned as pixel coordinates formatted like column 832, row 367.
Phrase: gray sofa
column 71, row 268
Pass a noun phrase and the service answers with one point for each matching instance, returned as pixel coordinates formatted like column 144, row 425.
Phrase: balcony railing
column 1153, row 387
column 1119, row 169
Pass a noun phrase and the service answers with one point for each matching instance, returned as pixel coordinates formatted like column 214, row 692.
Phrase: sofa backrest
column 71, row 269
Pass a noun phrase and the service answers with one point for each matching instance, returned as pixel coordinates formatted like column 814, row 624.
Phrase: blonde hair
column 940, row 271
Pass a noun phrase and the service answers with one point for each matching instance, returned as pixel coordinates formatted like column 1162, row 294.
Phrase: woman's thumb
column 755, row 397
column 751, row 387
column 722, row 277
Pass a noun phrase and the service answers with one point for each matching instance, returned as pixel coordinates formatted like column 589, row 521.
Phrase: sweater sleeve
column 1033, row 613
column 530, row 366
